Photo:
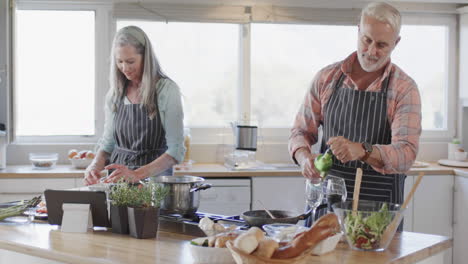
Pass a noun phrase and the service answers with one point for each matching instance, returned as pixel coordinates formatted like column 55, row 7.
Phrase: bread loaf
column 324, row 227
column 257, row 232
column 266, row 248
column 246, row 242
column 221, row 240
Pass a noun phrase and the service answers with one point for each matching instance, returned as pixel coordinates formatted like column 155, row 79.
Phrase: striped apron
column 361, row 116
column 139, row 140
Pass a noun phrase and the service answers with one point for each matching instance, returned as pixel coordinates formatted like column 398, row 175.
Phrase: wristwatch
column 368, row 149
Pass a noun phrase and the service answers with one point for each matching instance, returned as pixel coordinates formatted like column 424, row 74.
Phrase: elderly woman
column 143, row 129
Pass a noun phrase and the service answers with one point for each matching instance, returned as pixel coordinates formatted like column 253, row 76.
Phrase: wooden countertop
column 46, row 241
column 204, row 170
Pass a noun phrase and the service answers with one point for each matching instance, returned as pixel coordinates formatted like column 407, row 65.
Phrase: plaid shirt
column 403, row 110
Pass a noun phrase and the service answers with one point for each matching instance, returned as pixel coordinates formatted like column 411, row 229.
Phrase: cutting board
column 453, row 163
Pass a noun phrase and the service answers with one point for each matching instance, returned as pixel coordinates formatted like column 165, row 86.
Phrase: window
column 54, row 89
column 285, row 59
column 202, row 58
column 427, row 65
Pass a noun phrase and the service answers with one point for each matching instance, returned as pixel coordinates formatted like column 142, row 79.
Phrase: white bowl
column 460, row 156
column 283, row 232
column 327, row 245
column 43, row 161
column 202, row 254
column 80, row 163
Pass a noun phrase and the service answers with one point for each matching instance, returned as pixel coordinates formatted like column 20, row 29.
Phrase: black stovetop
column 188, row 224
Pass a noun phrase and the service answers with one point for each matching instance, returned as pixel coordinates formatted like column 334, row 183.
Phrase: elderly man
column 369, row 111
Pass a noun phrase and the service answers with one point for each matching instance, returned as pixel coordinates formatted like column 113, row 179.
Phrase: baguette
column 221, row 240
column 324, row 227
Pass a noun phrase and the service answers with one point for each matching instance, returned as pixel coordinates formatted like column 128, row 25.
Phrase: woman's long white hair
column 152, row 72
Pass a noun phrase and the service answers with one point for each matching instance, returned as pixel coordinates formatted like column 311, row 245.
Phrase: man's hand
column 306, row 161
column 345, row 150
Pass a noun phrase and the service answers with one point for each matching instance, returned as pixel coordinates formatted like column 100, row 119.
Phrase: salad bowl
column 364, row 229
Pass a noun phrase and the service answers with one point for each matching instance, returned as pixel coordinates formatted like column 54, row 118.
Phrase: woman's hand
column 92, row 174
column 122, row 172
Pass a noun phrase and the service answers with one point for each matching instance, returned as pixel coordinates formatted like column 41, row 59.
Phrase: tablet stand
column 77, row 218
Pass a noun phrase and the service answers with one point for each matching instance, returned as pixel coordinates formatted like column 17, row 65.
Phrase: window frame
column 102, row 11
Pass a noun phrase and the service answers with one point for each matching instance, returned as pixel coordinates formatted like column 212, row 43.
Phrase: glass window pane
column 411, row 54
column 294, row 54
column 54, row 81
column 285, row 59
column 203, row 59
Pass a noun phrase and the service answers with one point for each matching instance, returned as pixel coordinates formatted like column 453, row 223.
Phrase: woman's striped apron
column 361, row 116
column 139, row 140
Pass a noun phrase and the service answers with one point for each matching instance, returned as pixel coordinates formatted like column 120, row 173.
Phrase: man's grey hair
column 385, row 13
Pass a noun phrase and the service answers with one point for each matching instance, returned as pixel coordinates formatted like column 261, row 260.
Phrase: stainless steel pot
column 183, row 195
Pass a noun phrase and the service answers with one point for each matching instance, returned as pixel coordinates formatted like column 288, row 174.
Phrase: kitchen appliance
column 243, row 152
column 246, row 137
column 183, row 197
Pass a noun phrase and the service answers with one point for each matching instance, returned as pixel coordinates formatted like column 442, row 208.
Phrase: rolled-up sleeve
column 172, row 116
column 399, row 156
column 304, row 132
column 107, row 141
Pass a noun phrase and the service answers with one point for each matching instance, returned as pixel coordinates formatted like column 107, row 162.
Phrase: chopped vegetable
column 366, row 232
column 202, row 244
column 19, row 208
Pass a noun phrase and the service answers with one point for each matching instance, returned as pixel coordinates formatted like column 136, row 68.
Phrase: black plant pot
column 143, row 222
column 119, row 219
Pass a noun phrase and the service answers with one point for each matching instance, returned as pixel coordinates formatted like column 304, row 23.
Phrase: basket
column 243, row 258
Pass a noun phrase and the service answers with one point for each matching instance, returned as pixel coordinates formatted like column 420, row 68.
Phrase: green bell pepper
column 323, row 163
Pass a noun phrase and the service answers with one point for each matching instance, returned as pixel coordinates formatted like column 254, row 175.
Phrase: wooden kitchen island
column 48, row 244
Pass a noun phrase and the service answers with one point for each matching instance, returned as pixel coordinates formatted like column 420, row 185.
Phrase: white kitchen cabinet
column 26, row 188
column 460, row 228
column 433, row 208
column 433, row 205
column 226, row 196
column 408, row 215
column 279, row 193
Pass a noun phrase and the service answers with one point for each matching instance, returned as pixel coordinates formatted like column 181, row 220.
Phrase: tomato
column 361, row 240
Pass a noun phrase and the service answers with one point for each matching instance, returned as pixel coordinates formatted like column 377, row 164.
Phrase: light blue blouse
column 170, row 111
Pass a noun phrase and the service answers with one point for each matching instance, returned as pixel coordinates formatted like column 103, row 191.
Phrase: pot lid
column 178, row 179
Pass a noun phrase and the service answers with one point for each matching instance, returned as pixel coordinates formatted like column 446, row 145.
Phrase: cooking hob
column 188, row 224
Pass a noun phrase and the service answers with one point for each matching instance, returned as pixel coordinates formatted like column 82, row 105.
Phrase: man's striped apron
column 361, row 116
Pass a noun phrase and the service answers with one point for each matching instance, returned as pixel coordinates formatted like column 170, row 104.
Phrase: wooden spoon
column 391, row 228
column 266, row 210
column 357, row 189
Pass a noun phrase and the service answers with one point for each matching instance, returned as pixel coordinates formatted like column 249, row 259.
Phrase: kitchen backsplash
column 203, row 153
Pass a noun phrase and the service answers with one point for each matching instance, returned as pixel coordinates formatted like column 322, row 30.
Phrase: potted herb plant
column 143, row 209
column 120, row 196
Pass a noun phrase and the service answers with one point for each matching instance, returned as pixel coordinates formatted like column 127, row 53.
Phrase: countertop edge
column 425, row 253
column 47, row 254
column 208, row 170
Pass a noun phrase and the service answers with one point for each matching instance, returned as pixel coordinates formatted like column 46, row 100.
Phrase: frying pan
column 260, row 217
